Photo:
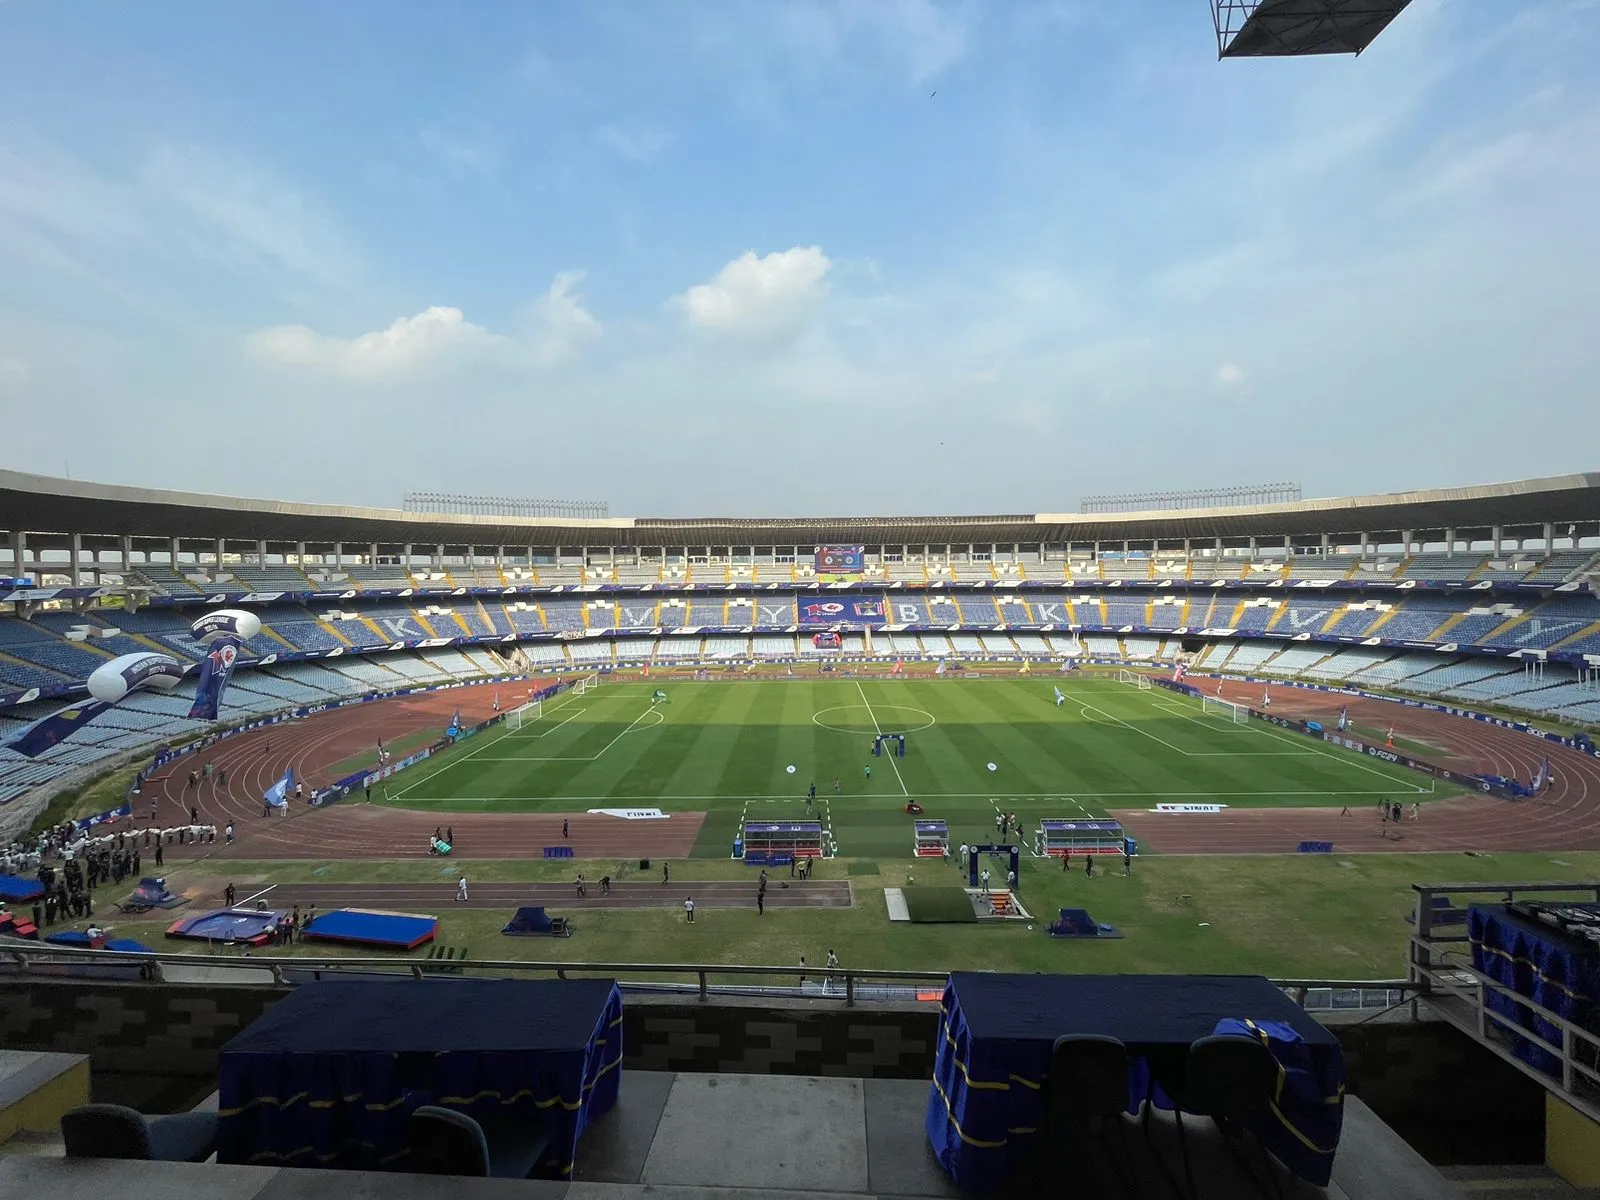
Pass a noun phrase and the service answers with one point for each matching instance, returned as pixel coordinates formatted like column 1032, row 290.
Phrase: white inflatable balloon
column 227, row 622
column 790, row 768
column 992, row 767
column 111, row 681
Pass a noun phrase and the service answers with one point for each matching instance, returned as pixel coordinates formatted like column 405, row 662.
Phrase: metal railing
column 702, row 980
column 1461, row 994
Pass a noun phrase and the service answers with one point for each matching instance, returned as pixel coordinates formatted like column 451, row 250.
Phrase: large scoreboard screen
column 839, row 563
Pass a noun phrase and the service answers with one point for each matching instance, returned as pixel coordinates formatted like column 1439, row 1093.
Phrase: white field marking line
column 545, row 731
column 1353, row 760
column 890, row 753
column 1021, row 796
column 257, row 896
column 1111, row 719
column 652, row 711
column 453, row 761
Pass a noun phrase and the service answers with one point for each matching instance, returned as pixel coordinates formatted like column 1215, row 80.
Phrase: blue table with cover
column 996, row 1033
column 331, row 1075
column 1554, row 969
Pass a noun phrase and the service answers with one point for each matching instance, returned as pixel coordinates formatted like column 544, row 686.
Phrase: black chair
column 1228, row 1079
column 445, row 1142
column 1086, row 1089
column 113, row 1131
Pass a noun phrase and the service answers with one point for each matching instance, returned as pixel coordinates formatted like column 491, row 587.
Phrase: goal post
column 583, row 683
column 1227, row 709
column 1142, row 682
column 525, row 715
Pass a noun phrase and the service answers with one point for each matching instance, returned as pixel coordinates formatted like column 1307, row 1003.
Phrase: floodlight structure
column 1293, row 28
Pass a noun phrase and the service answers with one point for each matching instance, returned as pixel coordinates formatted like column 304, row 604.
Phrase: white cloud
column 634, row 143
column 1230, row 373
column 13, row 371
column 557, row 327
column 408, row 343
column 561, row 326
column 239, row 214
column 772, row 296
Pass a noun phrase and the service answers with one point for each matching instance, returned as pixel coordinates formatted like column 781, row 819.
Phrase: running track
column 1566, row 816
column 408, row 897
column 315, row 746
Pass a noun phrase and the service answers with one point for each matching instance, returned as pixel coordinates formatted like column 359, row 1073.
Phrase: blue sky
column 850, row 256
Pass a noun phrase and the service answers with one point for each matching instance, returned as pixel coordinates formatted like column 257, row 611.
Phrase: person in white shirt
column 983, row 880
column 833, row 962
column 461, row 888
column 688, row 909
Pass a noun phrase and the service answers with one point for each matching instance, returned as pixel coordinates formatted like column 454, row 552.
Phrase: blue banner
column 54, row 729
column 216, row 668
column 843, row 610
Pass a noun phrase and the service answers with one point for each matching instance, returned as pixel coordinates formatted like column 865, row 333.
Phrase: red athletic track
column 1564, row 817
column 353, row 830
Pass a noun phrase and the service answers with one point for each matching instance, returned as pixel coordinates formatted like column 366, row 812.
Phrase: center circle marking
column 867, row 727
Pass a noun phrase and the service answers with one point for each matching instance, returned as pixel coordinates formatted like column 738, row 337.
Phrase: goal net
column 1218, row 707
column 583, row 683
column 527, row 714
column 1142, row 682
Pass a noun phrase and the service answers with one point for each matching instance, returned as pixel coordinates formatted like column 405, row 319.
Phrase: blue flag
column 216, row 668
column 54, row 729
column 278, row 794
column 455, row 725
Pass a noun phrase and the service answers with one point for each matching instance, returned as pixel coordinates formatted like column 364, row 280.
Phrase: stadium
column 1300, row 703
column 1181, row 842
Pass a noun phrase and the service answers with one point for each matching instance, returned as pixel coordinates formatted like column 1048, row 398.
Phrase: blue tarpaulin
column 360, row 927
column 329, row 1077
column 16, row 889
column 997, row 1031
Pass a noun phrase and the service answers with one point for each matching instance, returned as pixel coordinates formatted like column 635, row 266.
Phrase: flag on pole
column 497, row 702
column 1182, row 670
column 899, row 667
column 1389, row 741
column 1344, row 718
column 278, row 794
column 1266, row 698
column 1542, row 779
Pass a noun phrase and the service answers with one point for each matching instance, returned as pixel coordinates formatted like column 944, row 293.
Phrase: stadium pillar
column 220, row 548
column 338, row 556
column 1324, row 545
column 73, row 574
column 1450, row 542
column 1363, row 545
column 1405, row 541
column 127, row 553
column 300, row 555
column 438, row 556
column 172, row 552
column 1549, row 537
column 1496, row 535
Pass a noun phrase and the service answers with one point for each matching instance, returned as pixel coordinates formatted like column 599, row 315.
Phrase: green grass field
column 726, row 749
column 1288, row 916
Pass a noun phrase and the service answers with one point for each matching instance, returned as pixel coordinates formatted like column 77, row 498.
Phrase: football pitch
column 974, row 746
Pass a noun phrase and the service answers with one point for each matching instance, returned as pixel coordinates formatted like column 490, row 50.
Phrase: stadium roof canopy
column 1291, row 28
column 49, row 510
